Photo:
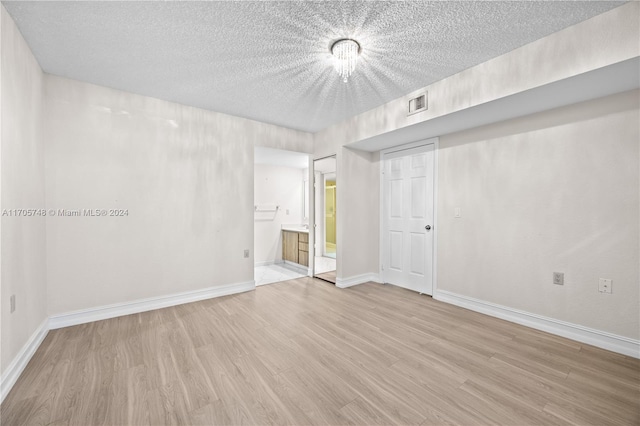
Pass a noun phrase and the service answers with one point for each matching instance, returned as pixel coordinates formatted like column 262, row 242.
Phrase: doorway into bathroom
column 326, row 207
column 281, row 215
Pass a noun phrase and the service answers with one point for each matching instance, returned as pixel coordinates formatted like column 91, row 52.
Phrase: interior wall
column 23, row 262
column 552, row 192
column 358, row 201
column 281, row 186
column 183, row 175
column 358, row 221
column 494, row 275
column 597, row 42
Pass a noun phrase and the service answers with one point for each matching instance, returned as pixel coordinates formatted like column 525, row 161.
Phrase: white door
column 407, row 218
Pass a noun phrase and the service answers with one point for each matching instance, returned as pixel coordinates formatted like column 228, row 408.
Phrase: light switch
column 456, row 212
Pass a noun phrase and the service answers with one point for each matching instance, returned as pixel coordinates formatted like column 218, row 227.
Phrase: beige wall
column 22, row 248
column 185, row 176
column 555, row 191
column 358, row 221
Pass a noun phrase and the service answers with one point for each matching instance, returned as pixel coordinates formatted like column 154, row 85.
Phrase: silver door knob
column 428, row 227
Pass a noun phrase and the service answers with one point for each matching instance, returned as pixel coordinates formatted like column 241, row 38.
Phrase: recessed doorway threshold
column 327, row 276
column 325, row 268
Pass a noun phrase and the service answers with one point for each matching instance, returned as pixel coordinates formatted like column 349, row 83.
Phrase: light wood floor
column 305, row 352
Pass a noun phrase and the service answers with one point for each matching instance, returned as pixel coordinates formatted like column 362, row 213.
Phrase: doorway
column 326, row 208
column 408, row 216
column 330, row 203
column 281, row 215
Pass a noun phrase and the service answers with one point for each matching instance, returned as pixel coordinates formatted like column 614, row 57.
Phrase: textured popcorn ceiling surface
column 270, row 61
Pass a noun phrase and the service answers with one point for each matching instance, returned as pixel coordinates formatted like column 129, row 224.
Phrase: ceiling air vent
column 418, row 104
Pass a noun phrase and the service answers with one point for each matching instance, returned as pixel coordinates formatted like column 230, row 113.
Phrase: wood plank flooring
column 305, row 352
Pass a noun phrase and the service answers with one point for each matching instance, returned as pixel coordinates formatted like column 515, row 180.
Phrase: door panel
column 418, row 202
column 395, row 194
column 395, row 261
column 407, row 208
column 417, row 253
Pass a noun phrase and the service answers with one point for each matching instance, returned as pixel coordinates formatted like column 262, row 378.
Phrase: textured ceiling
column 270, row 61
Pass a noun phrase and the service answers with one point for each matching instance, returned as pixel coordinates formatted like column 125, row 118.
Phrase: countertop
column 295, row 228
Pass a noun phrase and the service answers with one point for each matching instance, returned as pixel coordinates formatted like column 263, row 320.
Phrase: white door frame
column 311, row 215
column 435, row 142
column 313, row 219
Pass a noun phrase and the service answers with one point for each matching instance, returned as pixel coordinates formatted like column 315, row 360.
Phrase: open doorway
column 281, row 215
column 326, row 208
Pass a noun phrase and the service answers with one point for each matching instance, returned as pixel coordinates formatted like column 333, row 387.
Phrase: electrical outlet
column 558, row 278
column 246, row 254
column 13, row 303
column 605, row 285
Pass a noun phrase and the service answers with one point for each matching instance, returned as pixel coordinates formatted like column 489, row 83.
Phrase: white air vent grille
column 418, row 104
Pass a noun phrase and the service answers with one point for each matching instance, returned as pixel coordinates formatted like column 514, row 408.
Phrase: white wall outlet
column 246, row 253
column 558, row 278
column 456, row 212
column 605, row 285
column 12, row 301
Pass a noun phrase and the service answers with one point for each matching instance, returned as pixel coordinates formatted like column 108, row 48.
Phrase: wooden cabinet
column 295, row 247
column 290, row 246
column 303, row 248
column 303, row 257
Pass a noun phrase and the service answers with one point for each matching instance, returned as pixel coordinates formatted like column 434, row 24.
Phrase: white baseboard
column 601, row 339
column 269, row 262
column 21, row 360
column 13, row 371
column 357, row 279
column 143, row 305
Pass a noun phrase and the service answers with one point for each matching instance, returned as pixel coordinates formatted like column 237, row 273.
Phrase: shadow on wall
column 547, row 119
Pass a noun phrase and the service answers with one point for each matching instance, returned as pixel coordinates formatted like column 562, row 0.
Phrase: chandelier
column 345, row 55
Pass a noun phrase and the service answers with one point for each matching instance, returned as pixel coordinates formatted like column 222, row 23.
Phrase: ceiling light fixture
column 345, row 55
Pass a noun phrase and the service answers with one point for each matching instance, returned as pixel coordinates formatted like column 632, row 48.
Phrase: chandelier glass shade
column 345, row 56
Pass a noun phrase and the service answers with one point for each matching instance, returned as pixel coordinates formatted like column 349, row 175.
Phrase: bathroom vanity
column 295, row 245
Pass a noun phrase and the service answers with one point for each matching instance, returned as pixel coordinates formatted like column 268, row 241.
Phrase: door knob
column 428, row 227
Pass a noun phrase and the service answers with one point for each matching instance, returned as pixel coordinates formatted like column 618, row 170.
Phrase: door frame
column 434, row 253
column 313, row 222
